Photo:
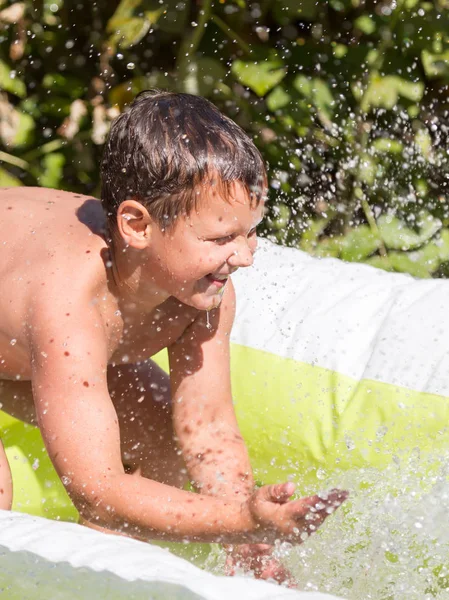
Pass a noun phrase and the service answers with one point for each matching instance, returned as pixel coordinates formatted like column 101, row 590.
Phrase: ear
column 134, row 224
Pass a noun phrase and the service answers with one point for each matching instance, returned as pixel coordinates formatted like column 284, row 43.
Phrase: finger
column 318, row 509
column 279, row 493
column 273, row 570
column 328, row 502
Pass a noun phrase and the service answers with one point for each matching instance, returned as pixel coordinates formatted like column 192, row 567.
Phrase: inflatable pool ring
column 335, row 366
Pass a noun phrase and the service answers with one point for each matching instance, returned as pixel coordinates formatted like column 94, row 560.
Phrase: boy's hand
column 277, row 518
column 259, row 560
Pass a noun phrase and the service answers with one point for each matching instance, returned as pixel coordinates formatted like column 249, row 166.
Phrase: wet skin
column 79, row 319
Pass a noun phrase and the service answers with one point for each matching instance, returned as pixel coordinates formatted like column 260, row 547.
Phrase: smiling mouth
column 219, row 281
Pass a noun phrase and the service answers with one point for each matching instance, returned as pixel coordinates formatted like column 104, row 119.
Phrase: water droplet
column 13, row 342
column 321, row 474
column 208, row 324
column 130, row 66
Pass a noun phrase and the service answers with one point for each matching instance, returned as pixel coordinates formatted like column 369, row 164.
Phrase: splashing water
column 390, row 541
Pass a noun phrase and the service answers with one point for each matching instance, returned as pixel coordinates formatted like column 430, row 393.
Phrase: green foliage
column 347, row 100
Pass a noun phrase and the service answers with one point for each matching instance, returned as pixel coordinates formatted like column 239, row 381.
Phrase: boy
column 88, row 295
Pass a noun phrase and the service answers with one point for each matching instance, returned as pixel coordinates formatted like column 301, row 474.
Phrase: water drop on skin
column 208, row 325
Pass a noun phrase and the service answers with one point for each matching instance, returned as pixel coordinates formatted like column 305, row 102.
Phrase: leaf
column 329, row 247
column 126, row 29
column 309, row 238
column 433, row 253
column 380, row 262
column 435, row 65
column 53, row 165
column 359, row 243
column 405, row 263
column 131, row 31
column 278, row 98
column 318, row 93
column 424, row 142
column 124, row 10
column 8, row 180
column 303, row 85
column 390, row 145
column 367, row 169
column 366, row 24
column 202, row 76
column 384, row 92
column 9, row 81
column 397, row 236
column 259, row 76
column 341, row 5
column 68, row 85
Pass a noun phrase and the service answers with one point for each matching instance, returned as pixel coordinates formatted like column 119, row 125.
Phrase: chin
column 202, row 302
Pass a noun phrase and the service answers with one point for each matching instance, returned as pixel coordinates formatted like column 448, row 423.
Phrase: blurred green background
column 346, row 99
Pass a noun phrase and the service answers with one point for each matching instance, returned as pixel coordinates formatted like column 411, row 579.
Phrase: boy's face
column 193, row 260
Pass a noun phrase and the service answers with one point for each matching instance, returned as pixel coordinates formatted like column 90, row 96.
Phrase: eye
column 222, row 240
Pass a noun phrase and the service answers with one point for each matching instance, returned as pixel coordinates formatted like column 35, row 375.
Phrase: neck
column 126, row 267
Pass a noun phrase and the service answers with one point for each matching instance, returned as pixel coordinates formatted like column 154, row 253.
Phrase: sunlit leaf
column 329, row 247
column 405, row 263
column 309, row 238
column 8, row 180
column 385, row 92
column 424, row 142
column 278, row 98
column 10, row 82
column 124, row 10
column 387, row 145
column 317, row 92
column 397, row 236
column 259, row 76
column 52, row 171
column 366, row 24
column 359, row 243
column 341, row 5
column 380, row 262
column 435, row 65
column 201, row 76
column 367, row 169
column 130, row 32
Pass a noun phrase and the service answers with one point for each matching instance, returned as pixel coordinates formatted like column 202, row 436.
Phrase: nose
column 242, row 255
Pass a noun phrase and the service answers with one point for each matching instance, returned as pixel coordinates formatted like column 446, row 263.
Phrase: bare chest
column 141, row 337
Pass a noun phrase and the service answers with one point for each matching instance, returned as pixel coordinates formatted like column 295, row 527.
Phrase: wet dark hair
column 165, row 145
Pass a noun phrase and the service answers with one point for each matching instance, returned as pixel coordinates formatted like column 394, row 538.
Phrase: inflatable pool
column 336, row 367
column 62, row 561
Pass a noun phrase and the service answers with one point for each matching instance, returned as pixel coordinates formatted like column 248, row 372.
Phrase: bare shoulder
column 54, row 258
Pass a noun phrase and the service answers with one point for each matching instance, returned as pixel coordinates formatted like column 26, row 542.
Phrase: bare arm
column 69, row 351
column 80, row 429
column 204, row 417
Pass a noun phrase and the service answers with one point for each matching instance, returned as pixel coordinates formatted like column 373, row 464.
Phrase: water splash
column 390, row 541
